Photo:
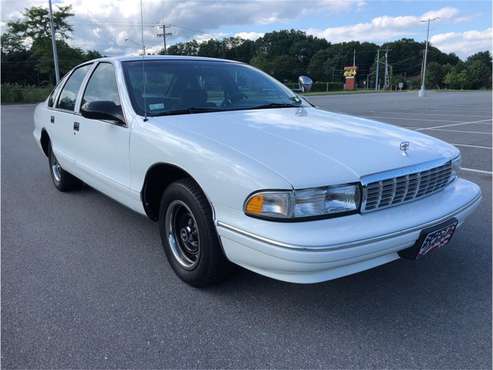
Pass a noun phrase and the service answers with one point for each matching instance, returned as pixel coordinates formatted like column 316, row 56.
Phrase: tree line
column 286, row 54
column 27, row 57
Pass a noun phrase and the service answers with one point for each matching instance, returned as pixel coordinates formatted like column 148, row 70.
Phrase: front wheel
column 62, row 180
column 189, row 237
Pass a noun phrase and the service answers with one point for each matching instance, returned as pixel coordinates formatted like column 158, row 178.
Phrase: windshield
column 191, row 86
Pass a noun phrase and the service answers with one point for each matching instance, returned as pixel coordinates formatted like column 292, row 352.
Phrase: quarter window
column 54, row 93
column 102, row 85
column 69, row 93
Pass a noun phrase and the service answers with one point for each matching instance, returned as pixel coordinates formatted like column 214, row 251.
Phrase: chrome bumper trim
column 355, row 243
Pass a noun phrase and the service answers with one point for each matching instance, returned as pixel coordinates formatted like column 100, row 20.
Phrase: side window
column 69, row 93
column 54, row 93
column 102, row 85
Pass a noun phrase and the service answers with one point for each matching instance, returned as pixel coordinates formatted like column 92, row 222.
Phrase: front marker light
column 456, row 166
column 269, row 204
column 303, row 204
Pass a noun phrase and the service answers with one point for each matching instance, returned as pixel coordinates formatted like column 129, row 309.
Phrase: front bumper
column 315, row 251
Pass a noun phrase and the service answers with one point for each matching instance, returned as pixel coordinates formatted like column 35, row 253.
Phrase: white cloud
column 191, row 18
column 249, row 35
column 383, row 28
column 442, row 37
column 104, row 25
column 207, row 36
column 121, row 38
column 464, row 43
column 443, row 13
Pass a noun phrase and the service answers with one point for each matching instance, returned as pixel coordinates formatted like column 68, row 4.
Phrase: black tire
column 62, row 180
column 189, row 236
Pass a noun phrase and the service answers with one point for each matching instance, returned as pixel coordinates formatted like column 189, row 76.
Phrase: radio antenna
column 144, row 77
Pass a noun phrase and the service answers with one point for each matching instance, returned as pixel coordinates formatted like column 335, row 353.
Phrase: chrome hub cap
column 56, row 169
column 183, row 234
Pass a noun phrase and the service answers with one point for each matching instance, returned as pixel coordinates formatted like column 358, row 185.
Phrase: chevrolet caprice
column 237, row 169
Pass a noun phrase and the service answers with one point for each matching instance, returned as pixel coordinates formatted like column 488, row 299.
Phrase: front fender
column 226, row 176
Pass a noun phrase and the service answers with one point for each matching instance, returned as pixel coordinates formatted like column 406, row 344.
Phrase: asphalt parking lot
column 85, row 283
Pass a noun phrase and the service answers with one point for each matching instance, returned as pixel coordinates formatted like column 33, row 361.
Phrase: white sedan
column 237, row 169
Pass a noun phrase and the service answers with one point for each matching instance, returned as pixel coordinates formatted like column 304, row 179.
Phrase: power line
column 189, row 29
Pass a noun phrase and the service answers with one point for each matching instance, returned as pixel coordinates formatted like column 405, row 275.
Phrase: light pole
column 53, row 44
column 378, row 67
column 422, row 91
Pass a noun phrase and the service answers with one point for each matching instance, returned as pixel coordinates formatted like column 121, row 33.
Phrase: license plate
column 437, row 238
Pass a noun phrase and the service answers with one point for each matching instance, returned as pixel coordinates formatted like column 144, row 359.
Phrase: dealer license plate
column 437, row 238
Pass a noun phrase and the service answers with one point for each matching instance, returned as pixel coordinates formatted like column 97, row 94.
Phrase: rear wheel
column 189, row 237
column 62, row 180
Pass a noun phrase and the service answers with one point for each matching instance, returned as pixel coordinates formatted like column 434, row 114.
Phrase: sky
column 113, row 26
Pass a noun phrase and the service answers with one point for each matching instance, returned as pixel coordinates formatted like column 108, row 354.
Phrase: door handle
column 76, row 126
column 52, row 119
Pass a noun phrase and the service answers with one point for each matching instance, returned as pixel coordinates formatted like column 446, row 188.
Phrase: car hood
column 310, row 147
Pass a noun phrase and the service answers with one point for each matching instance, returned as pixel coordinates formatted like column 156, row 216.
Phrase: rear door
column 103, row 146
column 63, row 116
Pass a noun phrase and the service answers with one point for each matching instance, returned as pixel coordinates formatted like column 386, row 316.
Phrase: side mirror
column 305, row 83
column 103, row 110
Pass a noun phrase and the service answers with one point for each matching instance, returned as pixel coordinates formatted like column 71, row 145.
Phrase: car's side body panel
column 226, row 177
column 98, row 152
column 103, row 146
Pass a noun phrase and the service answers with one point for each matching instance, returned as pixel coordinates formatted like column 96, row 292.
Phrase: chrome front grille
column 387, row 190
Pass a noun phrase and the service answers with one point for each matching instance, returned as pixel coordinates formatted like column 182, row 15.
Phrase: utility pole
column 378, row 67
column 53, row 44
column 163, row 34
column 386, row 77
column 354, row 57
column 390, row 75
column 422, row 91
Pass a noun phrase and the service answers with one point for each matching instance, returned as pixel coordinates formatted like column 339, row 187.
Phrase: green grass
column 14, row 93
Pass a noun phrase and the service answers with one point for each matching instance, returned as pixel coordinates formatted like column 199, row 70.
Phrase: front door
column 103, row 146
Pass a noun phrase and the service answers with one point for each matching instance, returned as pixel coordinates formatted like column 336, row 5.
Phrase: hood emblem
column 404, row 147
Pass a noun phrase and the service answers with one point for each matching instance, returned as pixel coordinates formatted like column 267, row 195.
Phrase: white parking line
column 448, row 113
column 418, row 119
column 455, row 124
column 472, row 146
column 477, row 171
column 459, row 131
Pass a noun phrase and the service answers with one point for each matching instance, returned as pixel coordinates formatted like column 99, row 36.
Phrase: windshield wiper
column 193, row 110
column 275, row 105
column 190, row 110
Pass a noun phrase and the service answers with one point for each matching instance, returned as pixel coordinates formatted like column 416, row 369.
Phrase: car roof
column 131, row 58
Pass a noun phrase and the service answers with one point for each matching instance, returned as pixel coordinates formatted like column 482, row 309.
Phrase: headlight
column 303, row 204
column 456, row 163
